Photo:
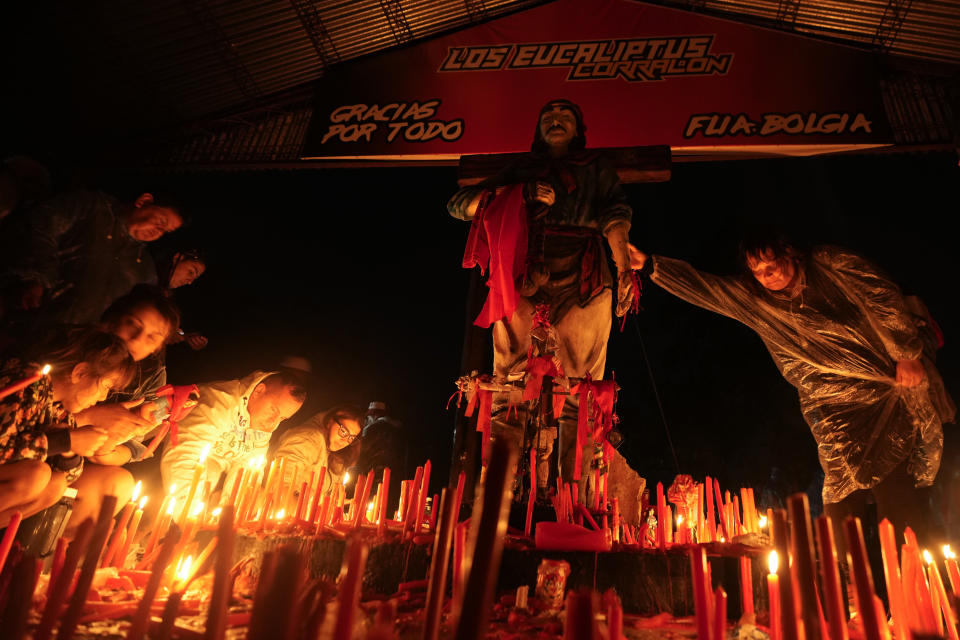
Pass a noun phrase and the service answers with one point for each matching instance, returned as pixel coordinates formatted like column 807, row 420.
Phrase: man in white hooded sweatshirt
column 236, row 418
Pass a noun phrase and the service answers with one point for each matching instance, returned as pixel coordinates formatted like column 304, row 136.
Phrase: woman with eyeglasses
column 329, row 439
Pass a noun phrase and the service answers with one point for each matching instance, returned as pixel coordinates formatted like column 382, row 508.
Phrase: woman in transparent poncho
column 839, row 331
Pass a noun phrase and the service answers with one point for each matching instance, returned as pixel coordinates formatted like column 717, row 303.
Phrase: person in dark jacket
column 74, row 254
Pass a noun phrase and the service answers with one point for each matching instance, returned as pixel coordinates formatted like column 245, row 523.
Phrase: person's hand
column 196, row 341
column 117, row 419
column 86, row 441
column 31, row 295
column 626, row 293
column 637, row 258
column 543, row 192
column 910, row 373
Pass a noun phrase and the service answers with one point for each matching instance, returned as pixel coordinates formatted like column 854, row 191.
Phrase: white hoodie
column 220, row 419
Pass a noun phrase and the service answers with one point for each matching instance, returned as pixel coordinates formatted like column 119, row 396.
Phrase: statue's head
column 560, row 128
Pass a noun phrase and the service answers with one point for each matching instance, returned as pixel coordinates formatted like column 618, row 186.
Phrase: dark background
column 359, row 271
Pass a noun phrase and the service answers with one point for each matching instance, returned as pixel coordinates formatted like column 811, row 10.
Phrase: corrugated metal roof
column 155, row 64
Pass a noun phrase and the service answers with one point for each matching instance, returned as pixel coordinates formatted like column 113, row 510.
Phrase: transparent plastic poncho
column 838, row 343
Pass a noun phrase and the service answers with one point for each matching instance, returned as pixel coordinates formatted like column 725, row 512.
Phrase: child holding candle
column 41, row 447
column 330, row 439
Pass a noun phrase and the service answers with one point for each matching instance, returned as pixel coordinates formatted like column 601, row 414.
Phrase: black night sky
column 359, row 271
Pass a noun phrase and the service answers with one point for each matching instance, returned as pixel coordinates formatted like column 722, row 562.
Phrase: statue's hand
column 626, row 293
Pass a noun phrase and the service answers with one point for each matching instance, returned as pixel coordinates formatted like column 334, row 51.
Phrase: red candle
column 303, row 493
column 59, row 556
column 90, row 561
column 58, row 592
column 410, row 510
column 384, row 501
column 614, row 616
column 746, row 586
column 348, row 597
column 141, row 619
column 773, row 596
column 719, row 614
column 12, row 525
column 701, row 591
column 936, row 583
column 131, row 533
column 422, row 502
column 916, row 590
column 317, row 495
column 891, row 573
column 532, row 497
column 711, row 518
column 603, row 481
column 804, row 564
column 439, row 564
column 235, row 489
column 953, row 573
column 863, row 580
column 26, row 382
column 830, row 577
column 722, row 510
column 789, row 615
column 220, row 595
column 661, row 518
column 121, row 529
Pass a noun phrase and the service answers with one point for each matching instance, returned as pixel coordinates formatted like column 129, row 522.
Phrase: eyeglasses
column 344, row 433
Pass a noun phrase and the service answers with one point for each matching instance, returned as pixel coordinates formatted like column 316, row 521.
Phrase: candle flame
column 216, row 512
column 722, row 539
column 136, row 491
column 257, row 463
column 45, row 370
column 346, row 477
column 197, row 510
column 927, row 557
column 183, row 568
column 948, row 552
column 173, row 503
column 204, row 453
column 679, row 520
column 280, row 514
column 143, row 502
column 773, row 561
column 173, row 489
column 762, row 522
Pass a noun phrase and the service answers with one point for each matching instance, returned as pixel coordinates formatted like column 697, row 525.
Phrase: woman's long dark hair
column 340, row 461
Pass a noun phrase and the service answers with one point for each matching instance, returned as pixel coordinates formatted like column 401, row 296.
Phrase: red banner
column 644, row 75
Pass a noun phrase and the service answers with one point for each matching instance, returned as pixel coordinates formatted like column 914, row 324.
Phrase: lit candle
column 182, row 573
column 788, row 603
column 953, row 573
column 131, row 533
column 661, row 518
column 711, row 518
column 194, row 483
column 26, row 382
column 936, row 584
column 616, row 519
column 830, row 577
column 773, row 596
